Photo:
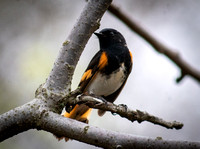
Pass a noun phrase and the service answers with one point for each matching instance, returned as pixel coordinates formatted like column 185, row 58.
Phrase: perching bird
column 106, row 73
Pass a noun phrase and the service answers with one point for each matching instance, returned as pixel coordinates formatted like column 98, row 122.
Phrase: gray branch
column 105, row 138
column 21, row 118
column 175, row 57
column 123, row 111
column 41, row 112
column 35, row 115
column 58, row 83
column 49, row 96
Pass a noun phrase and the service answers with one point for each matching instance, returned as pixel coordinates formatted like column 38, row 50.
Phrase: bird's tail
column 80, row 113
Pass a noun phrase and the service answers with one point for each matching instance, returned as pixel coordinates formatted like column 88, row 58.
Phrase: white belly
column 106, row 85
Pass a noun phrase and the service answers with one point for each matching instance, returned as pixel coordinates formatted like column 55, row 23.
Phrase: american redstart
column 106, row 73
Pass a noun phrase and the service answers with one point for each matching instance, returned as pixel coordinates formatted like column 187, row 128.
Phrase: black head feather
column 109, row 37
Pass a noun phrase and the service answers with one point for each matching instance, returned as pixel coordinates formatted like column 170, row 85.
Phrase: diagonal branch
column 39, row 113
column 23, row 118
column 49, row 96
column 108, row 139
column 58, row 83
column 160, row 47
column 124, row 111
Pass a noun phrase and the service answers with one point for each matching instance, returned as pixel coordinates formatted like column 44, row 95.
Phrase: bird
column 106, row 74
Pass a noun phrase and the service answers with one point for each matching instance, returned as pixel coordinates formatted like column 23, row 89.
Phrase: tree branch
column 58, row 83
column 40, row 112
column 123, row 111
column 175, row 57
column 35, row 115
column 106, row 138
column 50, row 94
column 21, row 118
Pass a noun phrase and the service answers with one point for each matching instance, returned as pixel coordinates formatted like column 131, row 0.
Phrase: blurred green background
column 32, row 32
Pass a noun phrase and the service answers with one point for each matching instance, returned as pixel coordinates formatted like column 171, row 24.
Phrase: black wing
column 90, row 71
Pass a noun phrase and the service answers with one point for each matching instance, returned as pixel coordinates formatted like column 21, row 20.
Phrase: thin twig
column 175, row 57
column 123, row 111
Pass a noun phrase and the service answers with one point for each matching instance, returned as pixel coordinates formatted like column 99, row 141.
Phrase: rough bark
column 105, row 138
column 123, row 111
column 41, row 112
column 49, row 96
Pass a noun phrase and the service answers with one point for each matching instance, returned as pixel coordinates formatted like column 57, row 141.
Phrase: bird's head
column 109, row 37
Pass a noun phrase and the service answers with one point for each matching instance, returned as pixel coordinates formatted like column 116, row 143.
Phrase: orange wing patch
column 131, row 55
column 87, row 75
column 103, row 60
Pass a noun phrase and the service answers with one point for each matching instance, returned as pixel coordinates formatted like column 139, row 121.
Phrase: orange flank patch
column 87, row 75
column 66, row 114
column 86, row 114
column 75, row 114
column 103, row 60
column 131, row 55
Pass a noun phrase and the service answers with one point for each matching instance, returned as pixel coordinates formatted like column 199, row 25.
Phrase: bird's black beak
column 99, row 35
